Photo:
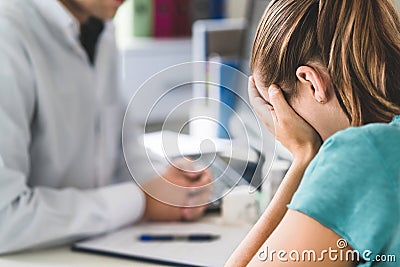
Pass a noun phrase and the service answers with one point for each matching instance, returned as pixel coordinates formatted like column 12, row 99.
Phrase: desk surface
column 64, row 257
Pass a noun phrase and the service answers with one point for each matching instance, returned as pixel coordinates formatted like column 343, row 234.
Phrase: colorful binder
column 183, row 23
column 164, row 18
column 228, row 96
column 142, row 18
column 216, row 9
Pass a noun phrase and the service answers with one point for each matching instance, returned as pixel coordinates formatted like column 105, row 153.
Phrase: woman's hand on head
column 280, row 118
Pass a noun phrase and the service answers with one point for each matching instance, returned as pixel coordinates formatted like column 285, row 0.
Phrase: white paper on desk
column 125, row 242
column 172, row 145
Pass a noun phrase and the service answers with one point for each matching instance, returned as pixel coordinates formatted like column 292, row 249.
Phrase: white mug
column 240, row 206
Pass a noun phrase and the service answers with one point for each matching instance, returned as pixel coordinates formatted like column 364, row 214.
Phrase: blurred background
column 156, row 34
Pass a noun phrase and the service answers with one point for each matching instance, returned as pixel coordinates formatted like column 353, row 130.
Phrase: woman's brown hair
column 356, row 41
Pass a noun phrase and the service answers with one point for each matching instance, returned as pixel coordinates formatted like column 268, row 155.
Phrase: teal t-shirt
column 353, row 187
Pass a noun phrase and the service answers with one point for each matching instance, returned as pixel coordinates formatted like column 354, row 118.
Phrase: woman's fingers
column 260, row 105
column 252, row 90
column 282, row 109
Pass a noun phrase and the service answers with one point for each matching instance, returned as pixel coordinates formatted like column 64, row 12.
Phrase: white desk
column 64, row 257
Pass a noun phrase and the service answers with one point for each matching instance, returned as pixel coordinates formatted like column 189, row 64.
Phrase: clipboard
column 125, row 243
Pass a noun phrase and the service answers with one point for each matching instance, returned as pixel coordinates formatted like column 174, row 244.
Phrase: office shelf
column 144, row 57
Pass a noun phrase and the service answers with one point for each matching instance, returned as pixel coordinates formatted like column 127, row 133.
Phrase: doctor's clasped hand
column 180, row 193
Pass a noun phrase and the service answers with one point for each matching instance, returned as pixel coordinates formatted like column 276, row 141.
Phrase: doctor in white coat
column 60, row 128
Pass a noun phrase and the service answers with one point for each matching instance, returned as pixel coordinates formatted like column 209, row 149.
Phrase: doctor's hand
column 182, row 186
column 289, row 128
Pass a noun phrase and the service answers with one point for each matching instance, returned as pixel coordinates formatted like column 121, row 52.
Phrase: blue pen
column 191, row 237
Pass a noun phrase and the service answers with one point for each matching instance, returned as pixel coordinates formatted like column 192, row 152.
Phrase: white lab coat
column 60, row 126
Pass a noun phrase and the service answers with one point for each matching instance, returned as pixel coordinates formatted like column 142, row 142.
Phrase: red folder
column 164, row 18
column 183, row 18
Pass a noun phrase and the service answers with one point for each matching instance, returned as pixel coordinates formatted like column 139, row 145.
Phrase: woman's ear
column 311, row 79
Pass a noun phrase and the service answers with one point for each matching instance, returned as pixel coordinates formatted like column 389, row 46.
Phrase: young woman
column 327, row 72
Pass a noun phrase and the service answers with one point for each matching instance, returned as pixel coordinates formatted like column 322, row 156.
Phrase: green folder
column 142, row 18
